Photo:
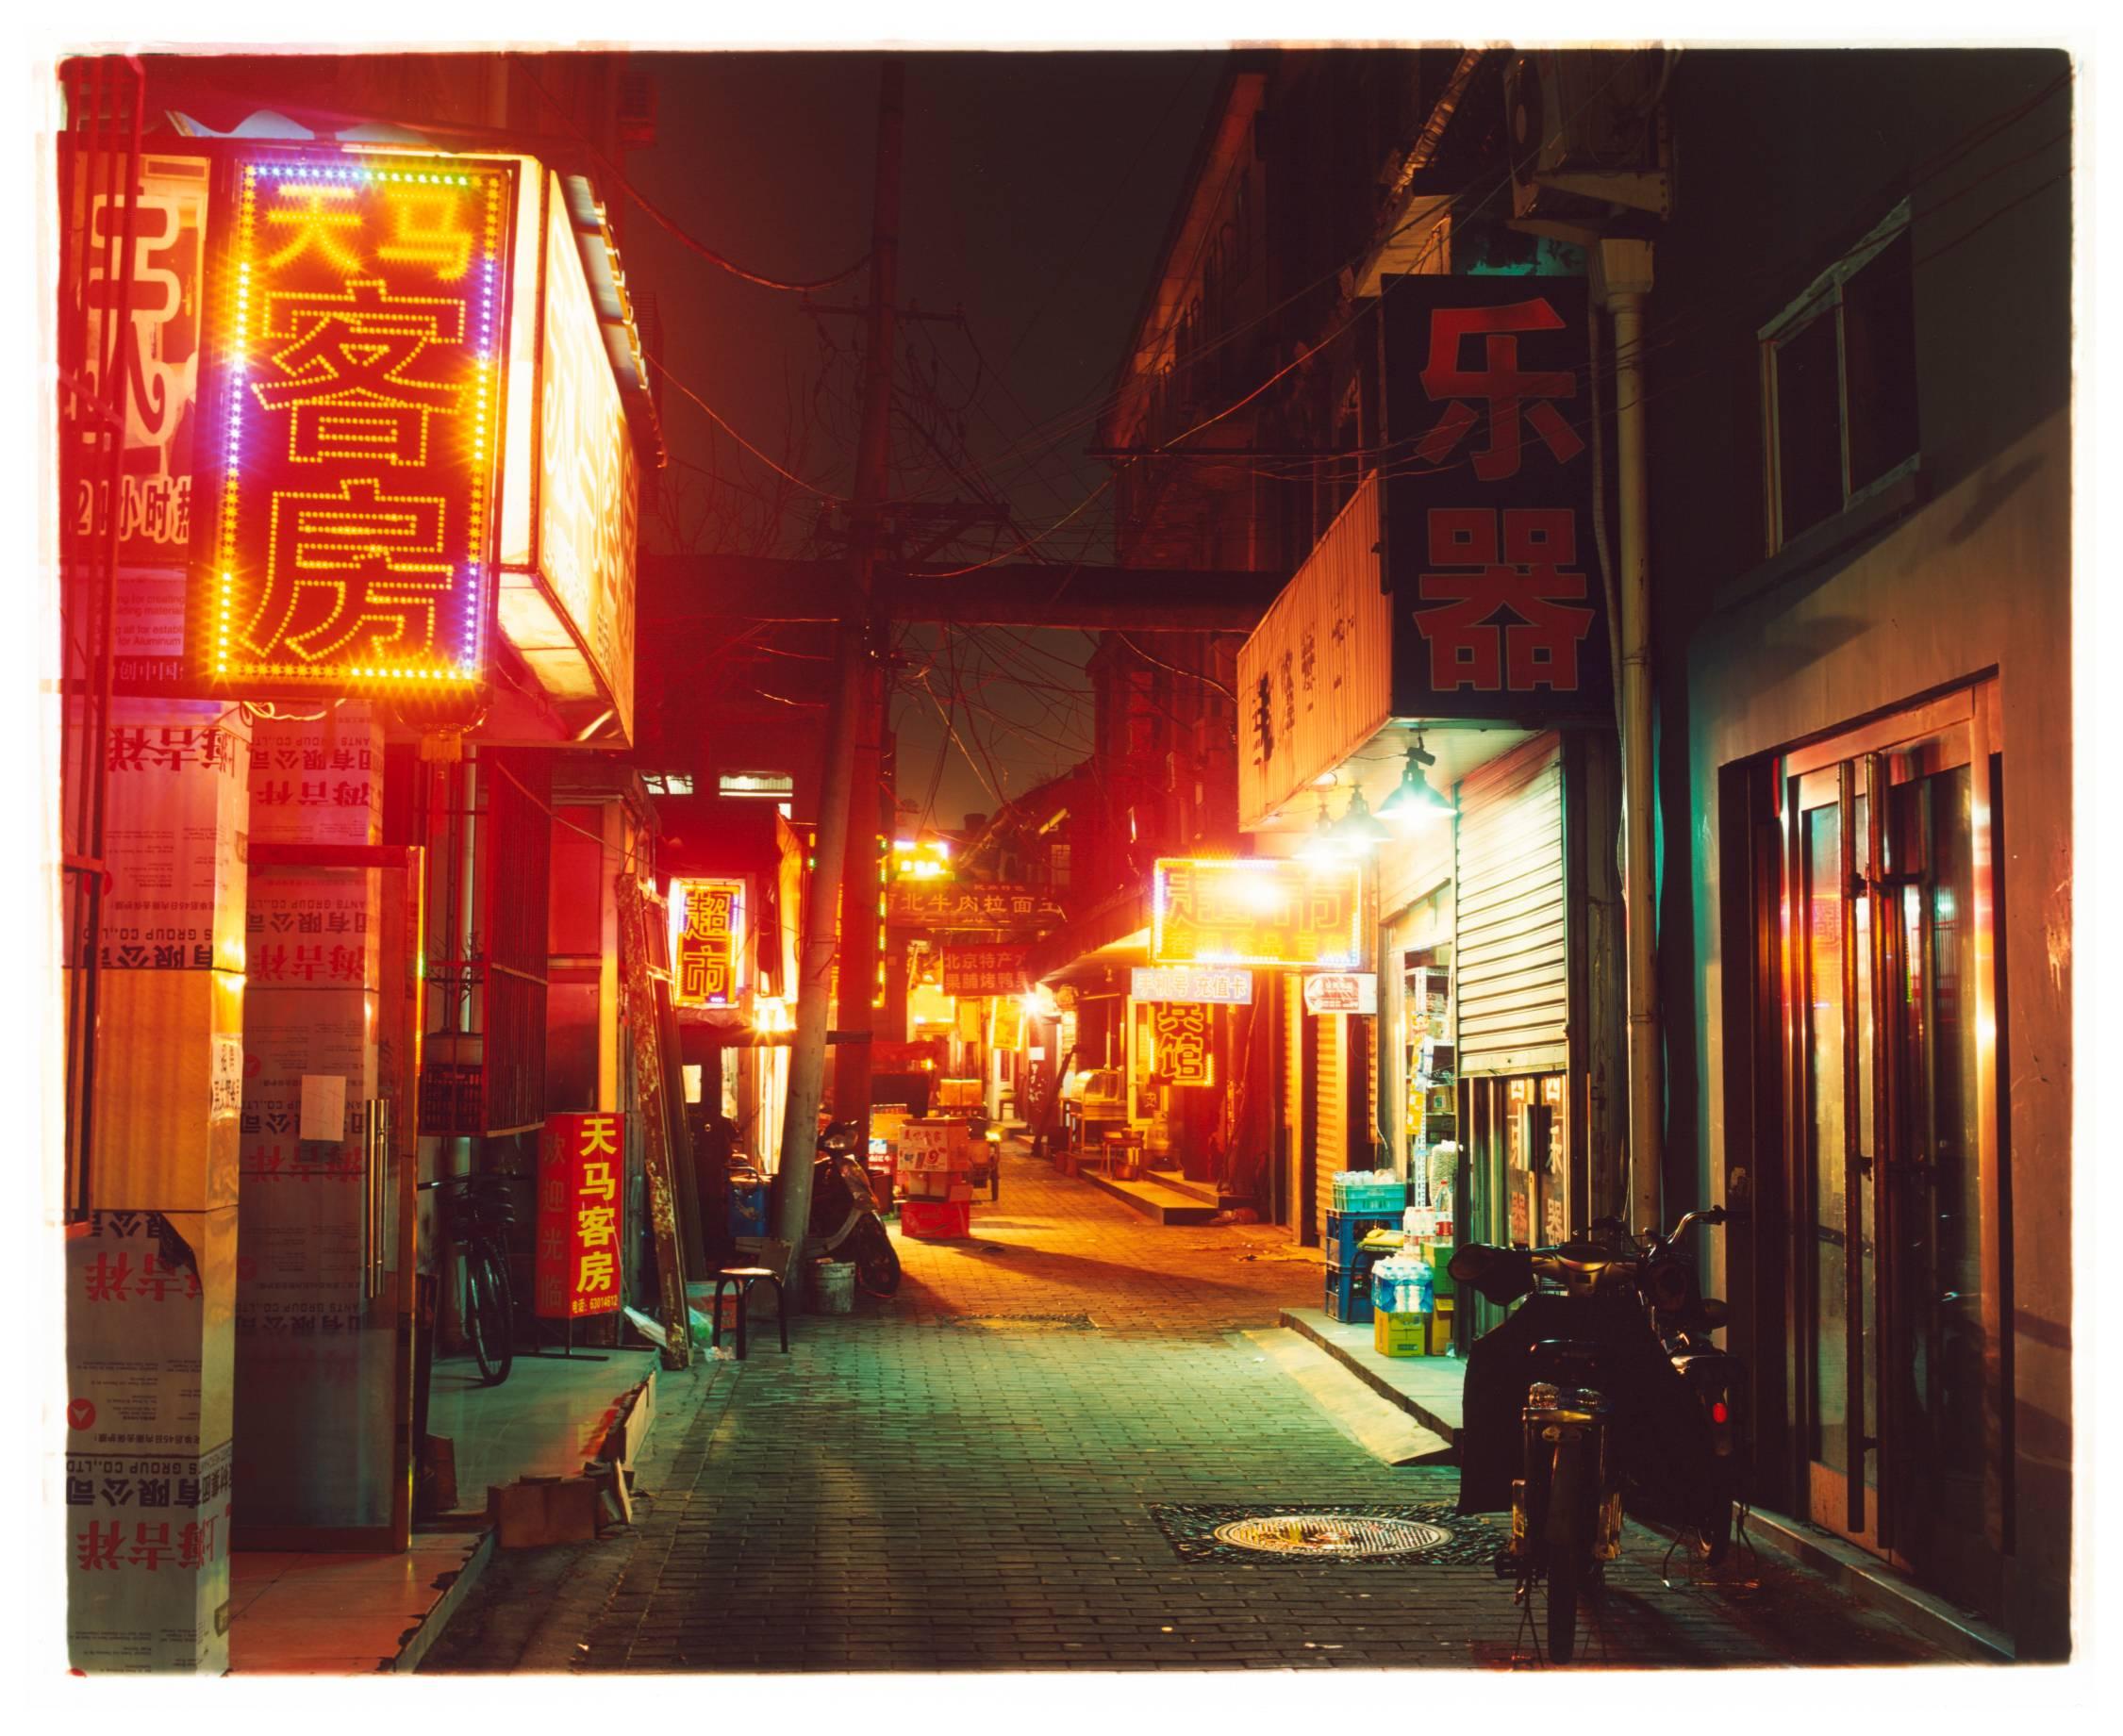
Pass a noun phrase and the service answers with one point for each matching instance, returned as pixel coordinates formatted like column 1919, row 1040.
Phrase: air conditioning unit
column 1585, row 131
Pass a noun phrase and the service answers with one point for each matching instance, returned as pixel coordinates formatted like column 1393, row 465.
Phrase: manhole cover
column 1329, row 1534
column 1429, row 1534
column 1021, row 1323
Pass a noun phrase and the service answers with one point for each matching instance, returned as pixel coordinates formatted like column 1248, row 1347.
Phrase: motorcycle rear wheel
column 877, row 1262
column 1569, row 1545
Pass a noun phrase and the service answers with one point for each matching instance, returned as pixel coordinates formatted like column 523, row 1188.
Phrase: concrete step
column 1153, row 1200
column 1207, row 1192
column 1427, row 1387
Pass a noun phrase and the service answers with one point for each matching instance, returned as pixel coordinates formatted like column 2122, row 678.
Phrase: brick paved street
column 962, row 1478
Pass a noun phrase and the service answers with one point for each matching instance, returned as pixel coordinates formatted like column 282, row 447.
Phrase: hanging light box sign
column 355, row 356
column 1180, row 1033
column 1342, row 991
column 707, row 942
column 1256, row 910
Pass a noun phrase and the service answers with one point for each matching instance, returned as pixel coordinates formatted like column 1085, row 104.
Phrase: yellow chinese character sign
column 1180, row 1030
column 578, row 1268
column 358, row 341
column 1256, row 910
column 707, row 941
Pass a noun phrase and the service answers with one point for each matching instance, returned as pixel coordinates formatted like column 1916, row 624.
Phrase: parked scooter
column 844, row 1220
column 1579, row 1392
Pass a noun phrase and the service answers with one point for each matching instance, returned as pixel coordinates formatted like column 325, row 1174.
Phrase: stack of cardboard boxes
column 936, row 1194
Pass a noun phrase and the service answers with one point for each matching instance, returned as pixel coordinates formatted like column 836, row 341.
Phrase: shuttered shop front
column 1510, row 961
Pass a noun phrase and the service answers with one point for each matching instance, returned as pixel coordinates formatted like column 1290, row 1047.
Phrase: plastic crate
column 1344, row 1229
column 1349, row 1292
column 1361, row 1196
column 935, row 1220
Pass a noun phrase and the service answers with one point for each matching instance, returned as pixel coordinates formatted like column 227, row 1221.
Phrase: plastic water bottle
column 1424, row 1288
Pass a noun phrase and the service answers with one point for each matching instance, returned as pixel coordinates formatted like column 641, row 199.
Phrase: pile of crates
column 935, row 1186
column 1349, row 1266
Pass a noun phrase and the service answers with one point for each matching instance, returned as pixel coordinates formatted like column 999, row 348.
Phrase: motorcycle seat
column 1566, row 1355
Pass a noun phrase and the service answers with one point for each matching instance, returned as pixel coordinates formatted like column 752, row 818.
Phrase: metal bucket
column 833, row 1287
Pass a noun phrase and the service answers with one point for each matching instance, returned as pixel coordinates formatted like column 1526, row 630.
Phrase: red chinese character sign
column 1256, row 910
column 1488, row 527
column 356, row 349
column 707, row 941
column 581, row 1167
column 984, row 970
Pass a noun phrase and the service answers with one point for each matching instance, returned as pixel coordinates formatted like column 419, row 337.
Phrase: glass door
column 1897, row 1169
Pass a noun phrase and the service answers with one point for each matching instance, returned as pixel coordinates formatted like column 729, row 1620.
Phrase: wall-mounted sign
column 984, row 970
column 345, row 531
column 588, row 476
column 1488, row 529
column 1179, row 1035
column 582, row 1167
column 707, row 942
column 1257, row 910
column 1341, row 991
column 972, row 904
column 1199, row 982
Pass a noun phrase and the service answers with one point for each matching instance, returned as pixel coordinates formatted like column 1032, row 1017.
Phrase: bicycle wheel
column 1571, row 1521
column 487, row 1315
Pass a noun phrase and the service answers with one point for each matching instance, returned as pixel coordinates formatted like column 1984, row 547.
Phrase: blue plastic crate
column 1348, row 1291
column 1344, row 1229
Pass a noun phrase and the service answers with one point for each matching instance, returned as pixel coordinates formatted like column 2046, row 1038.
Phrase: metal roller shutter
column 1511, row 980
column 1331, row 1135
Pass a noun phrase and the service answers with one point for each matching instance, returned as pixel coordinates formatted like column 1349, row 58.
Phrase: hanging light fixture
column 1414, row 798
column 1358, row 826
column 1326, row 843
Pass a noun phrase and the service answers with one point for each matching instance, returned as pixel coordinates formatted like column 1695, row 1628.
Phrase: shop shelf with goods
column 935, row 1164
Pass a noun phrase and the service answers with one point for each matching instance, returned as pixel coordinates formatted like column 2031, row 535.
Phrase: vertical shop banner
column 580, row 1167
column 356, row 338
column 1497, row 596
column 984, row 970
column 1180, row 1030
column 707, row 942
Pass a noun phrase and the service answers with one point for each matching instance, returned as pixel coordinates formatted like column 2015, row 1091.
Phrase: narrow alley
column 982, row 1472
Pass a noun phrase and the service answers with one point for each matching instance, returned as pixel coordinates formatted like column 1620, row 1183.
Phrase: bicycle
column 477, row 1216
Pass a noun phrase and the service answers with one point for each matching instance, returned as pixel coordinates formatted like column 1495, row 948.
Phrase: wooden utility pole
column 859, row 647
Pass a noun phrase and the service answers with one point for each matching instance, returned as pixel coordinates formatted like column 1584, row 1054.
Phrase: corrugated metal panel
column 1332, row 1141
column 1511, row 985
column 1316, row 677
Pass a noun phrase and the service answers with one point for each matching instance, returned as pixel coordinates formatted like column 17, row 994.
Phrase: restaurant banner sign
column 995, row 905
column 984, row 970
column 581, row 1163
column 1256, row 910
column 1489, row 557
column 1199, row 982
column 344, row 537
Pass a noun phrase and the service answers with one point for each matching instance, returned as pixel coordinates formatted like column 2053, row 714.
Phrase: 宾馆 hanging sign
column 1179, row 1035
column 1257, row 910
column 344, row 537
column 707, row 942
column 582, row 1164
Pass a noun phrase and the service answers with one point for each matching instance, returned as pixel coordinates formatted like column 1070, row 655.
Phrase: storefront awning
column 1117, row 925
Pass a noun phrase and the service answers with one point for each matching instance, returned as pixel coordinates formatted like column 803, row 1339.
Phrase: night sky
column 1037, row 190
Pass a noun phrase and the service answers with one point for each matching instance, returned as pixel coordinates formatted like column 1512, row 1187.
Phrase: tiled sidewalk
column 962, row 1478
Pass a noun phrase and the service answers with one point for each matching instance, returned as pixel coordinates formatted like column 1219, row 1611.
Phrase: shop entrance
column 1896, row 1177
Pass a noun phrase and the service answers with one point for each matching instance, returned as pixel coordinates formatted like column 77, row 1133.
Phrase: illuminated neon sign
column 1180, row 1036
column 707, row 941
column 1257, row 910
column 358, row 340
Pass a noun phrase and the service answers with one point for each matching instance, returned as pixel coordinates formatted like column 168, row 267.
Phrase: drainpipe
column 1621, row 280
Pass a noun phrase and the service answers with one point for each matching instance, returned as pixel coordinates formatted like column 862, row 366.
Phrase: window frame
column 1825, row 297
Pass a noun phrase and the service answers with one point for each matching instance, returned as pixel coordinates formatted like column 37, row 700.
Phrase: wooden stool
column 744, row 1276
